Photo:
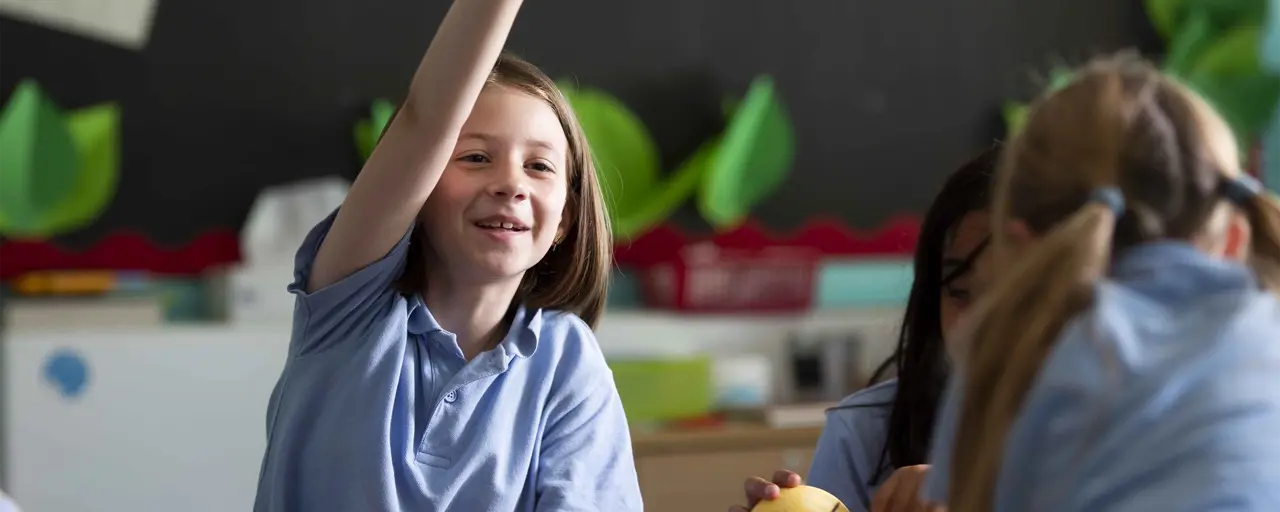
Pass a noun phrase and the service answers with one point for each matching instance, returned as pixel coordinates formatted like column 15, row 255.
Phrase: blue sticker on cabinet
column 68, row 373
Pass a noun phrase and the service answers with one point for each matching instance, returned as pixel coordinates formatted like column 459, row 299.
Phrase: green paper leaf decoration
column 56, row 173
column 1233, row 53
column 364, row 143
column 625, row 155
column 1228, row 74
column 1059, row 77
column 671, row 194
column 368, row 131
column 1015, row 116
column 1229, row 13
column 96, row 132
column 753, row 160
column 1189, row 43
column 1246, row 103
column 1169, row 17
column 1215, row 47
column 1165, row 15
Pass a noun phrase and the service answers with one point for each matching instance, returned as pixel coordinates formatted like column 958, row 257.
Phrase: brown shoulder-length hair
column 574, row 274
column 1119, row 124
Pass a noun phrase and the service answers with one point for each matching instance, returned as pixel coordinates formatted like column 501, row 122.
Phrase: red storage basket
column 706, row 278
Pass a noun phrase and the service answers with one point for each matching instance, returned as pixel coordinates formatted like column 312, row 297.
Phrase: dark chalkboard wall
column 887, row 96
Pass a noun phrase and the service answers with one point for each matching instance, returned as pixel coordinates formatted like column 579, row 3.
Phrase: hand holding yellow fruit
column 801, row 499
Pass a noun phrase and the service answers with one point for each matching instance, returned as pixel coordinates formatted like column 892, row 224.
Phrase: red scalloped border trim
column 122, row 251
column 829, row 237
column 134, row 251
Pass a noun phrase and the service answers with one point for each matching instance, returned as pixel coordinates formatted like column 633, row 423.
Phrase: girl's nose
column 510, row 186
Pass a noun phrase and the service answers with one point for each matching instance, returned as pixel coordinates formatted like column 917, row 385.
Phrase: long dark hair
column 920, row 360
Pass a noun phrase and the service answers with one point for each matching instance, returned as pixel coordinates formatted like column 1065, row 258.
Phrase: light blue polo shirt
column 1165, row 395
column 849, row 461
column 377, row 410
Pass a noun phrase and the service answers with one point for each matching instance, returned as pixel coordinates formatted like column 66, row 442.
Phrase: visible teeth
column 498, row 225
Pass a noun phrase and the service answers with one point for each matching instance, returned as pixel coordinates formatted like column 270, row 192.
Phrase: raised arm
column 409, row 159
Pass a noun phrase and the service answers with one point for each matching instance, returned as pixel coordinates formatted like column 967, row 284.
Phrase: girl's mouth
column 502, row 226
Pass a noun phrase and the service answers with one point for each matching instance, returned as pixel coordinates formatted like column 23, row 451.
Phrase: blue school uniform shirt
column 849, row 461
column 377, row 410
column 1164, row 395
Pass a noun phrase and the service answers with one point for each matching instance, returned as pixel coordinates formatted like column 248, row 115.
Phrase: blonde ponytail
column 1263, row 212
column 1022, row 318
column 1120, row 123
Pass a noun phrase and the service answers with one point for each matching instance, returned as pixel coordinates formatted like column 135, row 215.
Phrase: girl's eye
column 474, row 158
column 540, row 167
column 959, row 294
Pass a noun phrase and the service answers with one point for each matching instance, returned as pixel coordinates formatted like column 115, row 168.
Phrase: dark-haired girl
column 878, row 438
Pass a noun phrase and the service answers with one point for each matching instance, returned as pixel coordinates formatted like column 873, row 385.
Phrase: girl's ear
column 566, row 220
column 1238, row 236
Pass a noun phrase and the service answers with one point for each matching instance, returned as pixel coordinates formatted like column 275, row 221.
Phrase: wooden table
column 702, row 470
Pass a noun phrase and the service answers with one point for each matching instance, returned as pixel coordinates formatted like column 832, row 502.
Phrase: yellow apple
column 802, row 499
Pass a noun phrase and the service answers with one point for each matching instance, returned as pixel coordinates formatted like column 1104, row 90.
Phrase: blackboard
column 887, row 97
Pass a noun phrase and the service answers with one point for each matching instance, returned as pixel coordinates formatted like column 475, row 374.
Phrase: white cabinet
column 171, row 419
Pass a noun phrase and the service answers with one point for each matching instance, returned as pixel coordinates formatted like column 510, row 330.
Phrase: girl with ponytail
column 1127, row 356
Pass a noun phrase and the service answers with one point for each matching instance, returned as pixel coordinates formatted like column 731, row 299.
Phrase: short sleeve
column 840, row 463
column 347, row 308
column 586, row 462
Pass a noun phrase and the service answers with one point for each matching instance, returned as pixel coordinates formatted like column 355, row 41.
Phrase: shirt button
column 451, row 396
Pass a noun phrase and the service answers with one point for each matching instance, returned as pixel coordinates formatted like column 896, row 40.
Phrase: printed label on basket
column 710, row 278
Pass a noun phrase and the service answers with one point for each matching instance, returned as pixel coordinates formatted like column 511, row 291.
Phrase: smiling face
column 500, row 204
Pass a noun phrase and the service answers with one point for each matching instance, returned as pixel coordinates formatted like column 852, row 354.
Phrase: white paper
column 282, row 216
column 124, row 23
column 280, row 219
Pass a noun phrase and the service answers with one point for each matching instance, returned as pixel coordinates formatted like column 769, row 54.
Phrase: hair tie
column 1240, row 189
column 1111, row 197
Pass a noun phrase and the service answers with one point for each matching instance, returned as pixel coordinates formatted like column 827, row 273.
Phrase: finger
column 907, row 496
column 910, row 491
column 758, row 489
column 900, row 500
column 881, row 501
column 786, row 478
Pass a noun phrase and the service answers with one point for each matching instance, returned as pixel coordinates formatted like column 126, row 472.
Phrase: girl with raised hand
column 442, row 355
